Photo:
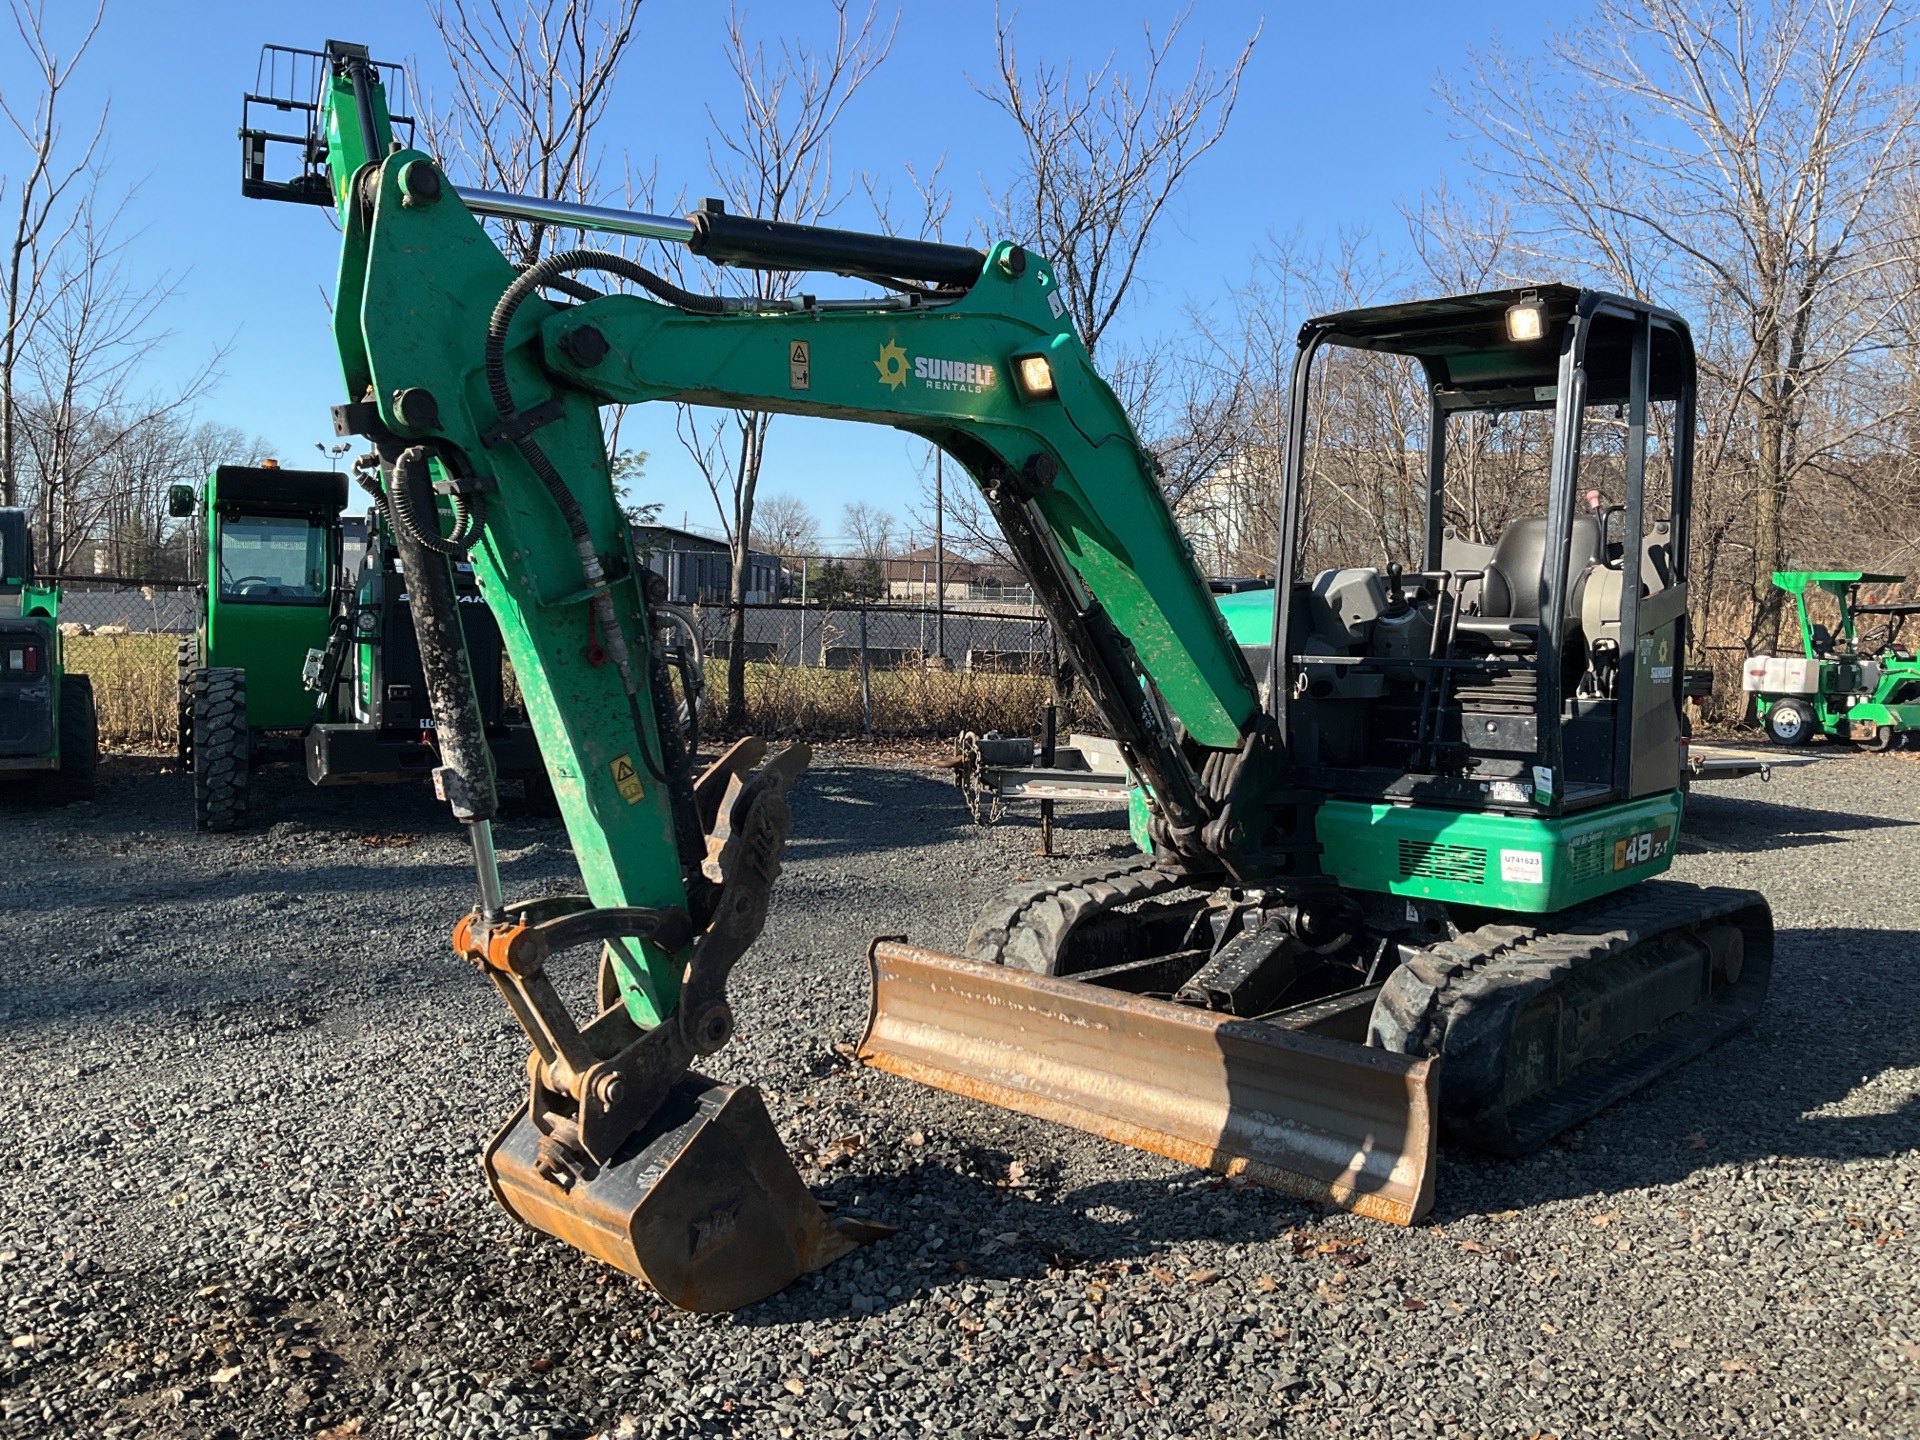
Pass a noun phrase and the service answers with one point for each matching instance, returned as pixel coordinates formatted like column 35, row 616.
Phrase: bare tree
column 43, row 215
column 1102, row 153
column 1734, row 158
column 784, row 525
column 531, row 84
column 85, row 426
column 774, row 160
column 139, row 540
column 872, row 529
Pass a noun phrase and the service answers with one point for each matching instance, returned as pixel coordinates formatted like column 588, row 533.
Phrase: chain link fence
column 109, row 607
column 991, row 641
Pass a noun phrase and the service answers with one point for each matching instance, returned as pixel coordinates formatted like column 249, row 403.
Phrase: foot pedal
column 702, row 1202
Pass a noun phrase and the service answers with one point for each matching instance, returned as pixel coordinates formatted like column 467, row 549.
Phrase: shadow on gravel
column 1731, row 823
column 842, row 813
column 991, row 1238
column 1796, row 1086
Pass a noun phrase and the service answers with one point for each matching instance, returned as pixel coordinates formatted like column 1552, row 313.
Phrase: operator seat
column 1509, row 617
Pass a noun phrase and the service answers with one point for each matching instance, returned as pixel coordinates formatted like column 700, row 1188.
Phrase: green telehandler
column 1845, row 686
column 302, row 646
column 49, row 730
column 1404, row 856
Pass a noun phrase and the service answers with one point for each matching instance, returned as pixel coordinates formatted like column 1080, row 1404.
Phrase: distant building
column 699, row 569
column 918, row 575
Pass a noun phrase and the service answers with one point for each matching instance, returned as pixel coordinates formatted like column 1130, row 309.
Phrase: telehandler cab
column 1402, row 870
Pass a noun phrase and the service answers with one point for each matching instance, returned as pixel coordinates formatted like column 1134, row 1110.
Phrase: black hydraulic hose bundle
column 411, row 510
column 466, row 770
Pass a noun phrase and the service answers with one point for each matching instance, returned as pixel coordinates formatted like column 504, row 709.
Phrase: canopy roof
column 1794, row 581
column 1472, row 364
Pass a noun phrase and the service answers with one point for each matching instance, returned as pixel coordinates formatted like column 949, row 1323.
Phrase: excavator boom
column 479, row 385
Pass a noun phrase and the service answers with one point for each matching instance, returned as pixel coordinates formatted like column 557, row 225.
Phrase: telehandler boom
column 1415, row 841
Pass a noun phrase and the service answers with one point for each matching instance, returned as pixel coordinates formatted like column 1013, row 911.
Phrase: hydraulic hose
column 551, row 272
column 411, row 509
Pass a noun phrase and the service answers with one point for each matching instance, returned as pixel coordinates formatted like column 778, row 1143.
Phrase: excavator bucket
column 1326, row 1119
column 702, row 1203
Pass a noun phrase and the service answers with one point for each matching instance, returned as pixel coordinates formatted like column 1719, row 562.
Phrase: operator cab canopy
column 1473, row 363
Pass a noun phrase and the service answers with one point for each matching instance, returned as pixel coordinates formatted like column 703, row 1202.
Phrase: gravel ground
column 242, row 1197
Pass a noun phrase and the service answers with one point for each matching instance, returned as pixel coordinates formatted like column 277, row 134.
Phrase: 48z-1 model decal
column 1640, row 847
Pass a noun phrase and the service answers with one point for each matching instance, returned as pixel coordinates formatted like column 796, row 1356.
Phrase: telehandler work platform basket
column 1323, row 1118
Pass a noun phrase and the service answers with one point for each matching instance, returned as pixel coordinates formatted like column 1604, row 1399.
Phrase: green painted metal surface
column 269, row 637
column 1504, row 862
column 944, row 375
column 1249, row 616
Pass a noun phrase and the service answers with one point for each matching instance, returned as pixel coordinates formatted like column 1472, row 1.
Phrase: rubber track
column 1029, row 927
column 220, row 748
column 1459, row 999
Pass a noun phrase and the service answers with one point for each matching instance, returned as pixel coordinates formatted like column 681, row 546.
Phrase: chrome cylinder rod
column 583, row 217
column 487, row 868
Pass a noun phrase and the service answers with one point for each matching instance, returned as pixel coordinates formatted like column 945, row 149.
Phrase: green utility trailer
column 49, row 731
column 303, row 644
column 1845, row 686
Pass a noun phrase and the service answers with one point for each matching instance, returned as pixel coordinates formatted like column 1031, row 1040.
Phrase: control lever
column 1396, row 594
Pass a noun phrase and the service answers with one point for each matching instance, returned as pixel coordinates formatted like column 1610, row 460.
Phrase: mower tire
column 1790, row 722
column 79, row 745
column 222, row 746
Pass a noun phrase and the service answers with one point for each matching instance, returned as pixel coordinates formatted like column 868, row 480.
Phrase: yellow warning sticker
column 799, row 366
column 626, row 781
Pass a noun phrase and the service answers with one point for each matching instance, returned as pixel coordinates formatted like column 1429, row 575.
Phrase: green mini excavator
column 1403, row 859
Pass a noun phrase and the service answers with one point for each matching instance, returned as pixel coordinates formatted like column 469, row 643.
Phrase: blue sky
column 1337, row 119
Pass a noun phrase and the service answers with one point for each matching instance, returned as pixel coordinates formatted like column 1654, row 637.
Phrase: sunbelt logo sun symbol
column 973, row 376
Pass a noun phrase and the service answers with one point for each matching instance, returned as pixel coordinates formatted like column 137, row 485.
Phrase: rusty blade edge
column 1157, row 1142
column 1403, row 1204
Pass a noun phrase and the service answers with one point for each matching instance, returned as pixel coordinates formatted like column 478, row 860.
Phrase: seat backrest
column 1512, row 587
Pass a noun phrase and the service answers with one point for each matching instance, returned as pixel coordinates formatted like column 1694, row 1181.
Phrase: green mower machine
column 1849, row 686
column 48, row 728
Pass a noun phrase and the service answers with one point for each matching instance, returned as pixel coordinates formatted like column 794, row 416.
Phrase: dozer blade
column 1326, row 1119
column 702, row 1203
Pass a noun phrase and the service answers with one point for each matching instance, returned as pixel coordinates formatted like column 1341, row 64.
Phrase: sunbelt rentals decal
column 896, row 367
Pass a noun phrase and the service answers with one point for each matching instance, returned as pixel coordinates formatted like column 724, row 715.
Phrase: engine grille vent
column 1424, row 860
column 1588, row 859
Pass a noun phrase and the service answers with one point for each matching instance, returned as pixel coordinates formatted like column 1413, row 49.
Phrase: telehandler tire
column 222, row 746
column 79, row 744
column 186, row 661
column 1790, row 722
